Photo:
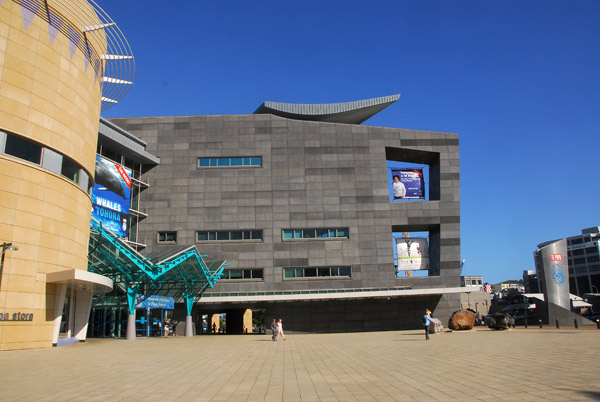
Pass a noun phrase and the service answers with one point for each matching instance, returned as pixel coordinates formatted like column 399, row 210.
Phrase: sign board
column 166, row 303
column 110, row 196
column 413, row 254
column 408, row 183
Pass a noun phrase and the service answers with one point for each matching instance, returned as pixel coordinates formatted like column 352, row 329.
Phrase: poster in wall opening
column 413, row 254
column 408, row 183
column 111, row 195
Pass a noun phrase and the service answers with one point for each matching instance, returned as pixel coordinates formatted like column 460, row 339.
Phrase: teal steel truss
column 180, row 273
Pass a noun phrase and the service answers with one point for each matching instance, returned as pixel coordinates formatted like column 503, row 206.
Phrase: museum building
column 297, row 199
column 293, row 203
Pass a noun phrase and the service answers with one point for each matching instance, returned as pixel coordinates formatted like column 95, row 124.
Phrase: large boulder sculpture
column 461, row 320
column 499, row 321
column 436, row 326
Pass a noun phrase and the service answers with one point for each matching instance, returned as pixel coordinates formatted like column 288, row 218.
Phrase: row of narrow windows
column 46, row 158
column 290, row 273
column 236, row 161
column 257, row 235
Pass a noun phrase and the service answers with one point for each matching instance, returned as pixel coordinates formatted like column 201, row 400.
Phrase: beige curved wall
column 51, row 98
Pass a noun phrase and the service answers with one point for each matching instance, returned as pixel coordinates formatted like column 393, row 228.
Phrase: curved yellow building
column 54, row 56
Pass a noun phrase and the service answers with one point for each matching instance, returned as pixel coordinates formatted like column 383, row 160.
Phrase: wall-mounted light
column 5, row 248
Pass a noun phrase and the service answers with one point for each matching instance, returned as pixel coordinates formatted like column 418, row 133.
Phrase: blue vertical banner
column 408, row 183
column 111, row 195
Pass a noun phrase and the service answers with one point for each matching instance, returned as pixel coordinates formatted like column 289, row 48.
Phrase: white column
column 189, row 329
column 59, row 305
column 131, row 327
column 83, row 306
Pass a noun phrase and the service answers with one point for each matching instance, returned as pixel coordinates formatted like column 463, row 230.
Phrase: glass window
column 203, row 162
column 23, row 149
column 256, row 161
column 318, row 272
column 342, row 232
column 247, row 161
column 344, row 271
column 236, row 161
column 223, row 162
column 167, row 237
column 69, row 169
column 235, row 274
column 308, row 233
column 233, row 235
column 247, row 274
column 310, row 272
column 323, row 272
column 257, row 273
column 322, row 233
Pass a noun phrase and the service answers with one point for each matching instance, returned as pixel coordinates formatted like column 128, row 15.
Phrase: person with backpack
column 427, row 322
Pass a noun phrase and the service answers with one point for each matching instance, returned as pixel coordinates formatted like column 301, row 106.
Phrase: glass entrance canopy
column 179, row 272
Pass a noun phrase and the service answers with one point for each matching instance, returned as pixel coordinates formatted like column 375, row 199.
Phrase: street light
column 5, row 248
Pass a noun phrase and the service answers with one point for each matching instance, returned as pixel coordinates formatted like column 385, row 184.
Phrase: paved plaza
column 481, row 364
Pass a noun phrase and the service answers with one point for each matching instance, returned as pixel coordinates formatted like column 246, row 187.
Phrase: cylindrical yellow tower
column 52, row 64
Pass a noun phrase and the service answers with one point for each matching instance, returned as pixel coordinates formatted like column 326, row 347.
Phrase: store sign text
column 16, row 316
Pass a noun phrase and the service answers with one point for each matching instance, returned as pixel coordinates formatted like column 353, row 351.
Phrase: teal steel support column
column 189, row 303
column 131, row 298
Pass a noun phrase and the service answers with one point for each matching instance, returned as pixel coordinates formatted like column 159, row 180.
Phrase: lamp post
column 5, row 248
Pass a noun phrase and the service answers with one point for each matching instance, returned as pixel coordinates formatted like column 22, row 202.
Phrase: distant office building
column 499, row 287
column 530, row 281
column 471, row 281
column 304, row 204
column 583, row 252
column 476, row 297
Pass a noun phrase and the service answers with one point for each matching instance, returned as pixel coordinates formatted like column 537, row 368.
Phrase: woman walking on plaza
column 280, row 330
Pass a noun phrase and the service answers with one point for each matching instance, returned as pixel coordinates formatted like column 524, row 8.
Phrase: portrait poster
column 413, row 254
column 408, row 183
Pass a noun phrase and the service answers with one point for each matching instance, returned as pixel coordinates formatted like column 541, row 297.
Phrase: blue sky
column 519, row 81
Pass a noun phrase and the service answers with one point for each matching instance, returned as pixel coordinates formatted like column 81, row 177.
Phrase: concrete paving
column 515, row 365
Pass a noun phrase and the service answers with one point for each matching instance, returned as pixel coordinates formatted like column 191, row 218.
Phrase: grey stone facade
column 313, row 175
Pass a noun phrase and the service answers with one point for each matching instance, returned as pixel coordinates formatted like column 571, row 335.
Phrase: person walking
column 280, row 330
column 427, row 322
column 166, row 328
column 274, row 329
